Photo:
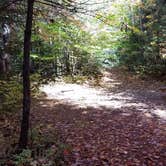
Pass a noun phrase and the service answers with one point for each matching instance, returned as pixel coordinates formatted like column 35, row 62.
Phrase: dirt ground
column 121, row 122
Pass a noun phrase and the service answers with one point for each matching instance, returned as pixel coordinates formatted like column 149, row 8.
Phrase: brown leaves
column 107, row 137
column 127, row 136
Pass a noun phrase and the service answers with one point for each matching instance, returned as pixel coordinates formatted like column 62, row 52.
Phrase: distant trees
column 143, row 42
column 139, row 27
column 62, row 47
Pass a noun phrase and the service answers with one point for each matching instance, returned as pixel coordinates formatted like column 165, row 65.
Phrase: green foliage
column 36, row 81
column 141, row 35
column 10, row 96
column 92, row 67
column 23, row 159
column 11, row 92
column 56, row 154
column 47, row 149
column 79, row 79
column 62, row 48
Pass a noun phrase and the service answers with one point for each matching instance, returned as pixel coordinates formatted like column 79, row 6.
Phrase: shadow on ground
column 102, row 136
column 117, row 90
column 121, row 122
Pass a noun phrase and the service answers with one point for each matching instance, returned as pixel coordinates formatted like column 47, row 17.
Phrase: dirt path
column 114, row 93
column 120, row 123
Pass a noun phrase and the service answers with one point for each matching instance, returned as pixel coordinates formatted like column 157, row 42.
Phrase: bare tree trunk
column 141, row 40
column 26, row 79
column 4, row 64
column 67, row 63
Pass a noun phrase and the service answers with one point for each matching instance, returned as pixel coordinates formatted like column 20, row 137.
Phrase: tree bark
column 23, row 141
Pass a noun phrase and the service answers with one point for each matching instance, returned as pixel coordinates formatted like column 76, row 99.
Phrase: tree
column 60, row 7
column 142, row 25
column 67, row 6
column 26, row 77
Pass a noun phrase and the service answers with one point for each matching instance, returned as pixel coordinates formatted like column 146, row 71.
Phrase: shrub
column 10, row 95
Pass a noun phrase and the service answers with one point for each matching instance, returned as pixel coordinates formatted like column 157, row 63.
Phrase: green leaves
column 139, row 27
column 10, row 95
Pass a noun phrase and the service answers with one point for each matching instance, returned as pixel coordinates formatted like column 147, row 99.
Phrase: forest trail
column 117, row 90
column 119, row 123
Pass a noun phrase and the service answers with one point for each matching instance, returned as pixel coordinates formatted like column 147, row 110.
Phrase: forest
column 82, row 82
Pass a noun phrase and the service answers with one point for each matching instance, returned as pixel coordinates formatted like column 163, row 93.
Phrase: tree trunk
column 26, row 79
column 67, row 63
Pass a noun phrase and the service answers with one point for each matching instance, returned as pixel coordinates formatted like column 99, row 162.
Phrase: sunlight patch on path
column 85, row 96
